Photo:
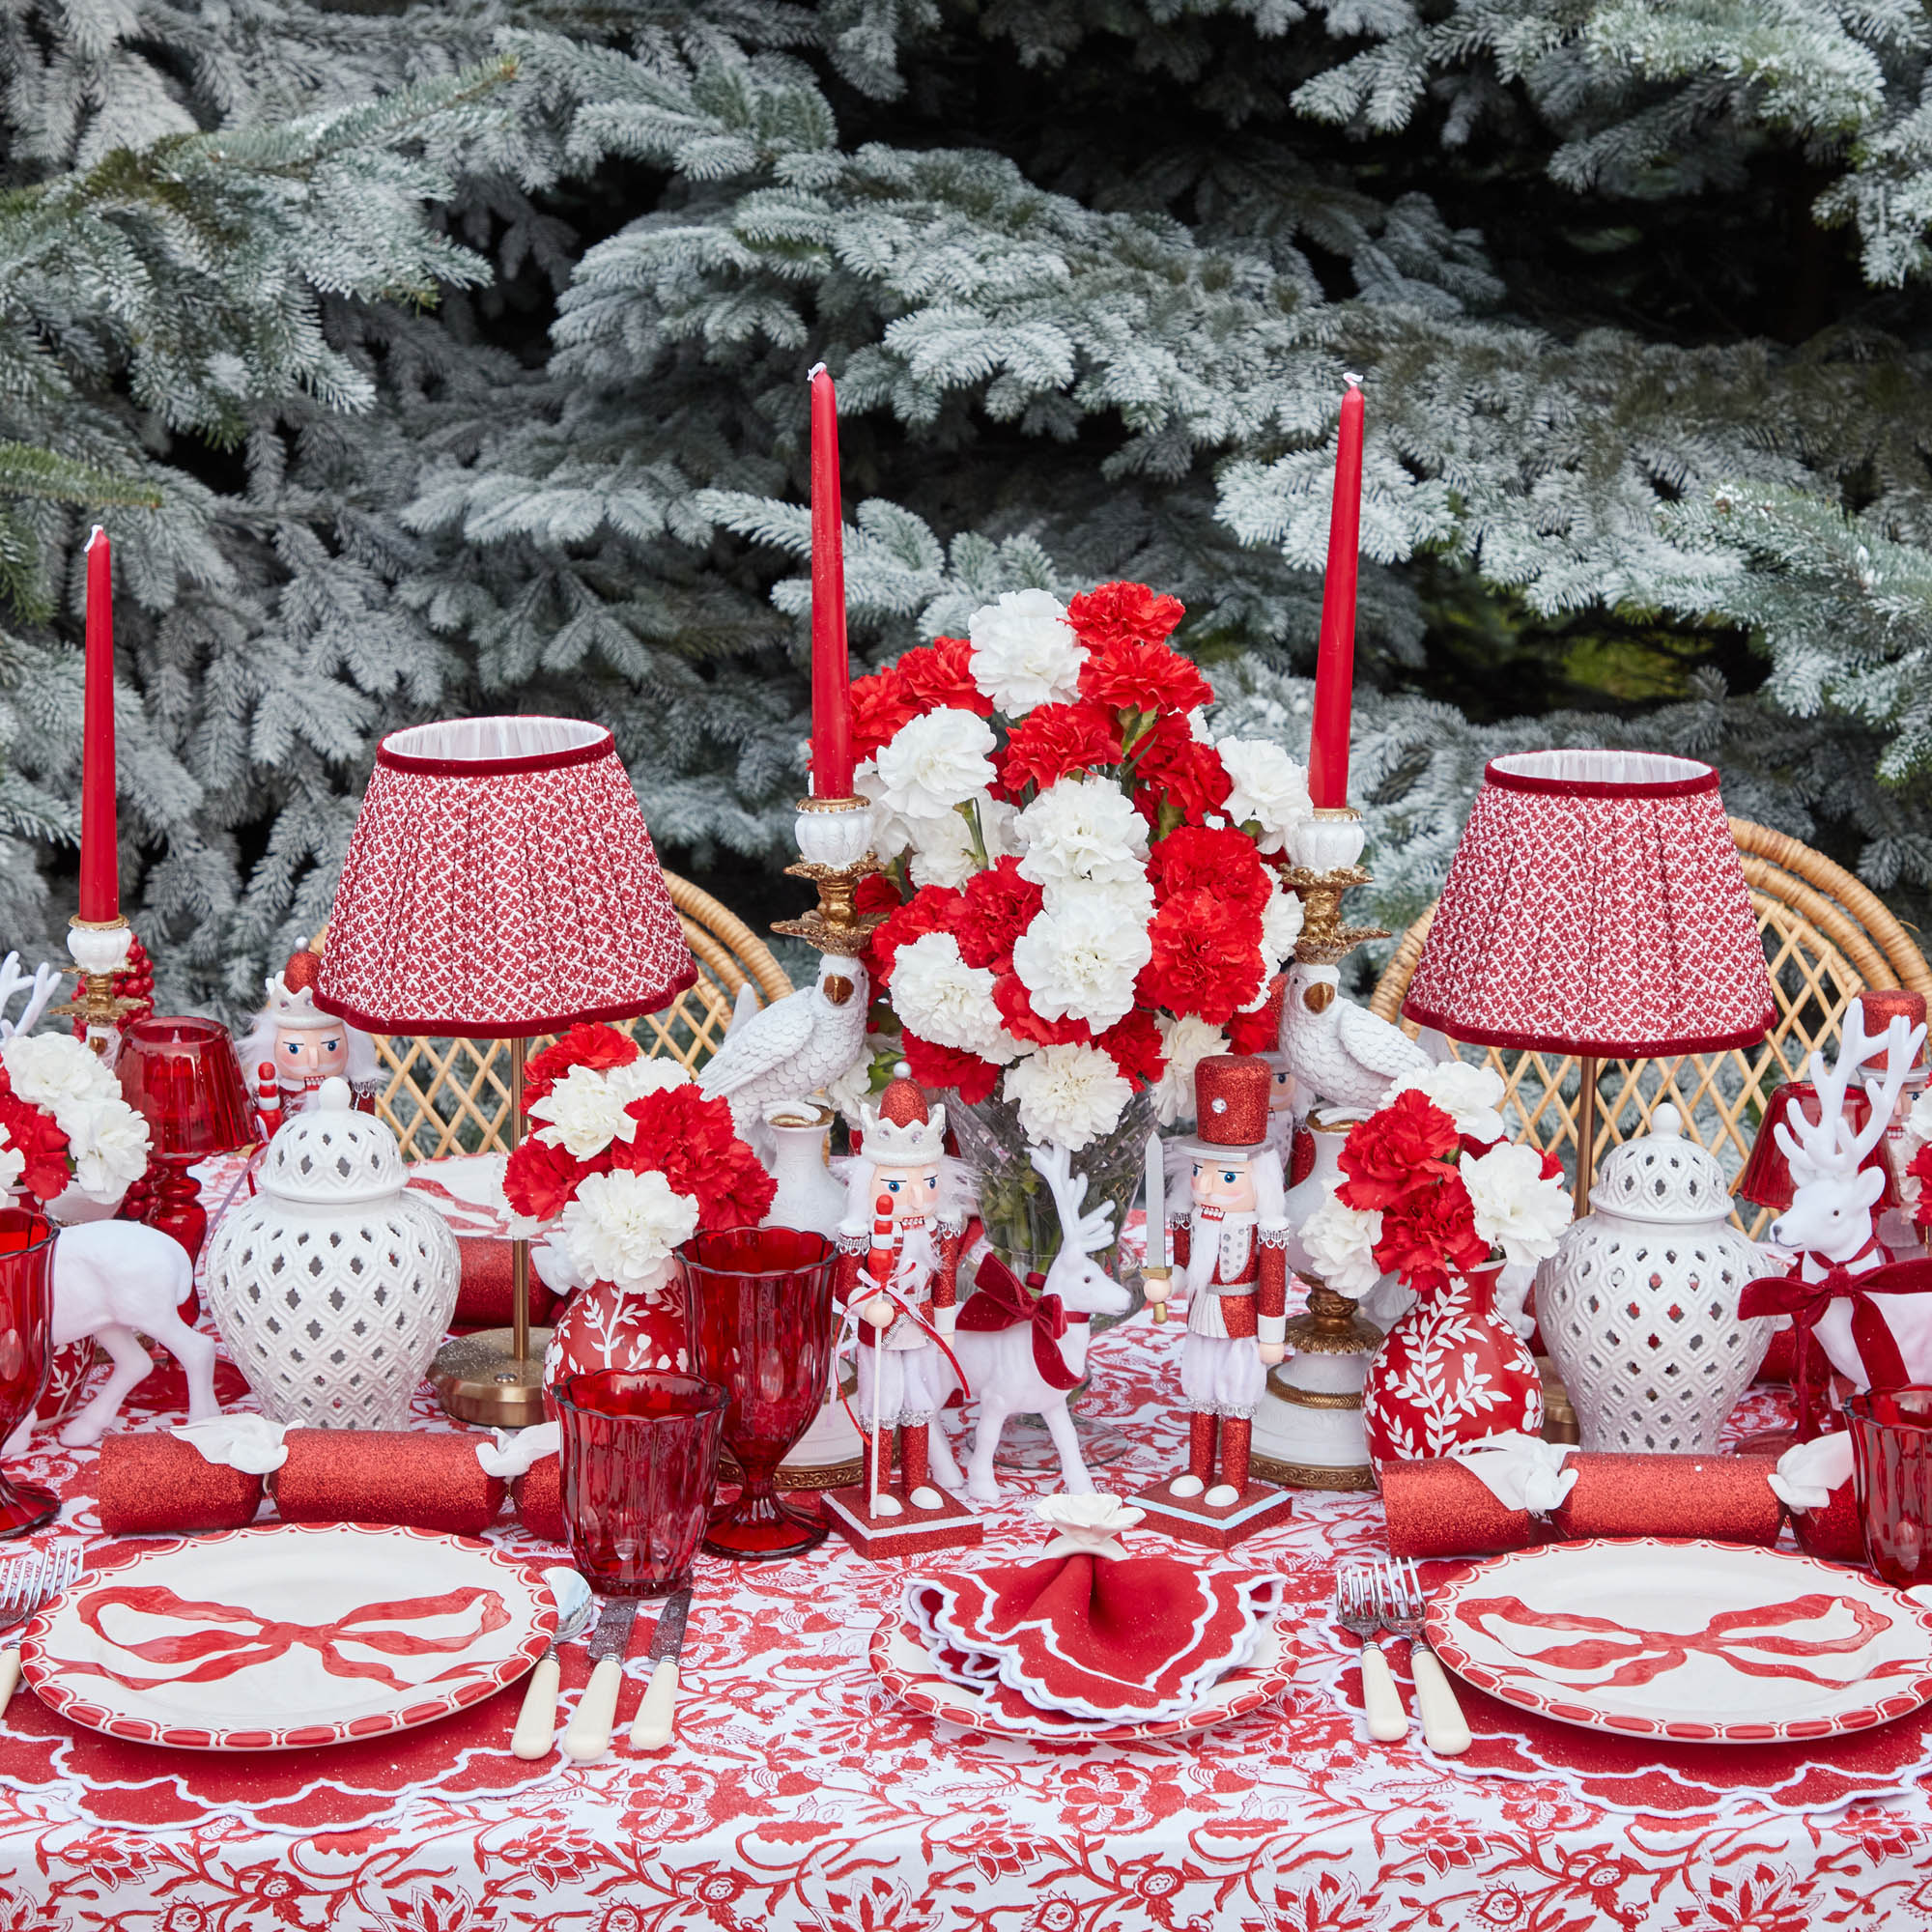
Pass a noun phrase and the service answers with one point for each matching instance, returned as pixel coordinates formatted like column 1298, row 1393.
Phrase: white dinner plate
column 286, row 1635
column 1702, row 1642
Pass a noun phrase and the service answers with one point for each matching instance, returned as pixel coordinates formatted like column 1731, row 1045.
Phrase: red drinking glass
column 638, row 1471
column 26, row 1318
column 1891, row 1467
column 761, row 1313
column 181, row 1077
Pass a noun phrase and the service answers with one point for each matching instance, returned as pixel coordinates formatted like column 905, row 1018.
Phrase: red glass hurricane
column 760, row 1308
column 638, row 1470
column 27, row 1318
column 1766, row 1182
column 1892, row 1464
column 181, row 1077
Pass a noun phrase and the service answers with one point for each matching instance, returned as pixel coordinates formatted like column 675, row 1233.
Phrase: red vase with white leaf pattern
column 605, row 1326
column 1451, row 1371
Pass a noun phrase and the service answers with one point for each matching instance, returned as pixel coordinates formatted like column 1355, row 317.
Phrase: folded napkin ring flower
column 516, row 1451
column 249, row 1443
column 1087, row 1525
column 1522, row 1472
column 1807, row 1472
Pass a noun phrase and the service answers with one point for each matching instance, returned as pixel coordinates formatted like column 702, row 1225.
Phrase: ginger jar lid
column 331, row 1157
column 1662, row 1177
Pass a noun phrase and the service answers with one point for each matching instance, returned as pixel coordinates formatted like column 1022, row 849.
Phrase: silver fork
column 1443, row 1722
column 1359, row 1612
column 26, row 1584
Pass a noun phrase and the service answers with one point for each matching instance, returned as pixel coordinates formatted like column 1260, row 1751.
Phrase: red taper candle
column 100, row 849
column 831, row 674
column 1335, row 662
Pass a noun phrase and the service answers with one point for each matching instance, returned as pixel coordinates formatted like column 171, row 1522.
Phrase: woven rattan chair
column 1826, row 936
column 448, row 1096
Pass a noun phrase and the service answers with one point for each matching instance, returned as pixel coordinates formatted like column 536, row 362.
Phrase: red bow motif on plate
column 998, row 1301
column 227, row 1638
column 1641, row 1656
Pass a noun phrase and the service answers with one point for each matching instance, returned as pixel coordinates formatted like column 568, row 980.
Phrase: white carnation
column 942, row 848
column 933, row 762
column 1339, row 1243
column 13, row 1163
column 645, row 1075
column 1187, row 1042
column 623, row 1227
column 942, row 999
column 1281, row 926
column 850, row 1090
column 1267, row 788
column 1470, row 1096
column 1082, row 830
column 1078, row 959
column 893, row 832
column 1516, row 1209
column 50, row 1069
column 1067, row 1095
column 1024, row 652
column 583, row 1113
column 108, row 1141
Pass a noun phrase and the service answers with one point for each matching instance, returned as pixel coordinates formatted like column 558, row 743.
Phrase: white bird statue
column 790, row 1049
column 1338, row 1051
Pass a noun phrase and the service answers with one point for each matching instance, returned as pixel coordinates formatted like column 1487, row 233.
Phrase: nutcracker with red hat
column 294, row 1046
column 897, row 1280
column 1232, row 1252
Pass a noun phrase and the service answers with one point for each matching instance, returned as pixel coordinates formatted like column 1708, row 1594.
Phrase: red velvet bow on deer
column 999, row 1302
column 1805, row 1302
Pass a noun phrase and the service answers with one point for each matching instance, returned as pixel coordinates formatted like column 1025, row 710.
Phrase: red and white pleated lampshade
column 499, row 883
column 1596, row 906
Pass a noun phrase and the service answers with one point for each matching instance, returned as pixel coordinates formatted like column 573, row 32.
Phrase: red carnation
column 1258, row 1032
column 1123, row 613
column 936, row 1066
column 541, row 1180
column 1136, row 1047
column 881, row 704
column 1224, row 863
column 1174, row 768
column 997, row 906
column 587, row 1044
column 1430, row 1234
column 1919, row 1168
column 688, row 1137
column 1016, row 1005
column 40, row 1141
column 1395, row 1151
column 931, row 909
column 940, row 676
column 1055, row 739
column 1143, row 677
column 1206, row 958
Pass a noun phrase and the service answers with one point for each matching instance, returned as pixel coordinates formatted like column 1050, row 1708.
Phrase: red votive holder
column 1892, row 1469
column 761, row 1316
column 638, row 1471
column 181, row 1077
column 27, row 1318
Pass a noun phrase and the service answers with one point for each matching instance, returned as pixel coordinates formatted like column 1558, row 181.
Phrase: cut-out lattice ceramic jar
column 335, row 1285
column 1640, row 1305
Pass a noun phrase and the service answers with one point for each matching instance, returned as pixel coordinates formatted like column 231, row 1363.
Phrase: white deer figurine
column 1830, row 1220
column 40, row 990
column 1000, row 1366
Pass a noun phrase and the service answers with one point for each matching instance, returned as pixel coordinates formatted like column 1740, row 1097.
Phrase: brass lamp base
column 478, row 1379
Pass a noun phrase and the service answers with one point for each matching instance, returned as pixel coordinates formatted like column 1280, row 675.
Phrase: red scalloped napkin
column 1103, row 1639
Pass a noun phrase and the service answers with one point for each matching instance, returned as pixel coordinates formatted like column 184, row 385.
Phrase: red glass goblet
column 27, row 1318
column 638, row 1471
column 760, row 1311
column 1891, row 1466
column 181, row 1077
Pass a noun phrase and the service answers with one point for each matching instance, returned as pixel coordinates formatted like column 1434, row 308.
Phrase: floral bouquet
column 64, row 1122
column 1079, row 907
column 630, row 1159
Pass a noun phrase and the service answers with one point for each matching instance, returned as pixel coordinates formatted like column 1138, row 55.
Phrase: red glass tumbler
column 181, row 1077
column 760, row 1315
column 27, row 1320
column 1892, row 1469
column 638, row 1471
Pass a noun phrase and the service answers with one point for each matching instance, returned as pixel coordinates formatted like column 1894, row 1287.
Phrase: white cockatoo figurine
column 1338, row 1051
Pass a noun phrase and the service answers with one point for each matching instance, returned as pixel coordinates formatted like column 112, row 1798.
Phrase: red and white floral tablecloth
column 801, row 1794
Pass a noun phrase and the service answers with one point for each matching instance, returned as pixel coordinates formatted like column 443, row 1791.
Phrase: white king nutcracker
column 898, row 1277
column 1230, row 1252
column 294, row 1046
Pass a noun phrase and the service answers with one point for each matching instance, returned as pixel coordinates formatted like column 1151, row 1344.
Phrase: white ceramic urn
column 1639, row 1304
column 335, row 1285
column 809, row 1197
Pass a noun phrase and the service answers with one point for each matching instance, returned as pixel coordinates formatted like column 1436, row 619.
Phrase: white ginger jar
column 333, row 1285
column 1639, row 1304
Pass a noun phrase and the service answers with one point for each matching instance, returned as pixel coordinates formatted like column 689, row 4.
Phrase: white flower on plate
column 1339, row 1242
column 1281, row 926
column 1024, row 652
column 942, row 999
column 108, row 1141
column 583, row 1113
column 623, row 1227
column 13, row 1163
column 1082, row 830
column 1516, row 1209
column 935, row 761
column 1067, row 1095
column 1088, row 1526
column 50, row 1069
column 1267, row 788
column 1186, row 1042
column 1078, row 961
column 1470, row 1096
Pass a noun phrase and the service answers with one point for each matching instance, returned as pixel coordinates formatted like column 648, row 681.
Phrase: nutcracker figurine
column 897, row 1276
column 293, row 1047
column 1231, row 1253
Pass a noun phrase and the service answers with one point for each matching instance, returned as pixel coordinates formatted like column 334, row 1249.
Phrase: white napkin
column 1522, row 1472
column 1807, row 1472
column 515, row 1450
column 1088, row 1526
column 251, row 1443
